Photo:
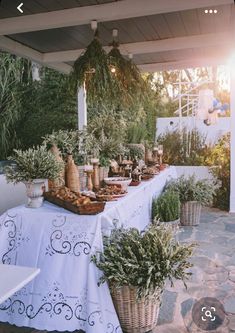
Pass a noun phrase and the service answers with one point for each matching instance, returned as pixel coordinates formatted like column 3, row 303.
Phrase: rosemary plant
column 143, row 260
column 34, row 163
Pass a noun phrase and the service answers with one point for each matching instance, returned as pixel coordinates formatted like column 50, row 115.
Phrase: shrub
column 37, row 163
column 190, row 189
column 183, row 147
column 219, row 160
column 143, row 260
column 167, row 207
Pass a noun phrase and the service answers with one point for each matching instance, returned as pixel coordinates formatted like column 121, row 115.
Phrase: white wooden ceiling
column 159, row 33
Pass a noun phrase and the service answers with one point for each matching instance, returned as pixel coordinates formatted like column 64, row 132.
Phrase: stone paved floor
column 213, row 276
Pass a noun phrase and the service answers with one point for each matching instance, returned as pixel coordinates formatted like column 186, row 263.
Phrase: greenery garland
column 92, row 68
column 129, row 82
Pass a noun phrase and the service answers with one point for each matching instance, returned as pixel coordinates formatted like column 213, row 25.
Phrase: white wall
column 213, row 132
column 200, row 172
column 11, row 195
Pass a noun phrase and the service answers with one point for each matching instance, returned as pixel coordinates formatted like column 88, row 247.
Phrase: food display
column 121, row 181
column 110, row 192
column 151, row 171
column 75, row 202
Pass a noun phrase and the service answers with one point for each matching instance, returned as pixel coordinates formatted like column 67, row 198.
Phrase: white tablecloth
column 65, row 296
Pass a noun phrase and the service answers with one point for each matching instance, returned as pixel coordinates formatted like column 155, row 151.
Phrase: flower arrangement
column 34, row 163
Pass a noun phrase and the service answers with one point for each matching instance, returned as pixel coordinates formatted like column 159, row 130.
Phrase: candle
column 94, row 160
column 88, row 167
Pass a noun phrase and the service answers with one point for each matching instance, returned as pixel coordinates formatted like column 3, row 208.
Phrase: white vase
column 34, row 191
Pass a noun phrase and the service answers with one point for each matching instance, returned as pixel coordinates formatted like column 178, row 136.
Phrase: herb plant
column 34, row 163
column 166, row 208
column 190, row 189
column 143, row 260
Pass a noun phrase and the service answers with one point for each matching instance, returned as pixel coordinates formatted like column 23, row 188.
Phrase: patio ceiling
column 161, row 34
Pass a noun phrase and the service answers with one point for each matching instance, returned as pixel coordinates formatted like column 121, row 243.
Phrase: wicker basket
column 174, row 225
column 135, row 317
column 190, row 213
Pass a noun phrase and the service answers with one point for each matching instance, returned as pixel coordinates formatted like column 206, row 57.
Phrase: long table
column 65, row 296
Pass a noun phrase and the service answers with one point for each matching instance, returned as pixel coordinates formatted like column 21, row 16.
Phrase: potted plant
column 166, row 208
column 136, row 266
column 193, row 194
column 33, row 167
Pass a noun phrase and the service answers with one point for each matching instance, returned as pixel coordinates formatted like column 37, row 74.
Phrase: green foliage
column 136, row 133
column 36, row 163
column 166, row 208
column 190, row 189
column 143, row 260
column 184, row 147
column 219, row 160
column 109, row 130
column 80, row 144
column 46, row 106
column 136, row 151
column 127, row 76
column 13, row 76
column 92, row 69
column 65, row 140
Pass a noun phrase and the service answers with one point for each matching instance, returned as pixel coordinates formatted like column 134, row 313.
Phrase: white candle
column 88, row 167
column 94, row 160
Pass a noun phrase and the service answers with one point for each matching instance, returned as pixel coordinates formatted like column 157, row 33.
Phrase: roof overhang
column 163, row 34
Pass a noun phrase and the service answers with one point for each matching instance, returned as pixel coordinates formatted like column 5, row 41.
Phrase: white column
column 232, row 122
column 36, row 71
column 82, row 108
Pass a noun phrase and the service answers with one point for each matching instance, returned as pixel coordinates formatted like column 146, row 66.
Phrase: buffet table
column 65, row 296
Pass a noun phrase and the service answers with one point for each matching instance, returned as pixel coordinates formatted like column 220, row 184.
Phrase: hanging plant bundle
column 93, row 69
column 128, row 77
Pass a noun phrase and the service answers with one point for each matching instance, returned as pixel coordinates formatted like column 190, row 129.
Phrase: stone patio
column 213, row 276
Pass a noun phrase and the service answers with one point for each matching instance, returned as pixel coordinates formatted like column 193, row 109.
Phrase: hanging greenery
column 128, row 77
column 92, row 68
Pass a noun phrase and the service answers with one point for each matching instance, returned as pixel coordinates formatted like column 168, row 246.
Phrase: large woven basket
column 190, row 213
column 135, row 316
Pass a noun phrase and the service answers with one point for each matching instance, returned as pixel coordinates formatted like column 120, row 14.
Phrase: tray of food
column 74, row 202
column 110, row 192
column 146, row 176
column 151, row 171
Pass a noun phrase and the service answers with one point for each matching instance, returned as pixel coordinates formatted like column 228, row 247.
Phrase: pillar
column 82, row 108
column 232, row 122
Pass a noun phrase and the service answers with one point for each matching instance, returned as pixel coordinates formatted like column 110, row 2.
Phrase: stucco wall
column 212, row 132
column 11, row 195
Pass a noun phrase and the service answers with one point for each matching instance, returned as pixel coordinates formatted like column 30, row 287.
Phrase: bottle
column 72, row 175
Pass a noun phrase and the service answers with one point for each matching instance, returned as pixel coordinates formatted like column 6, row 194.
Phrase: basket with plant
column 136, row 266
column 166, row 208
column 193, row 195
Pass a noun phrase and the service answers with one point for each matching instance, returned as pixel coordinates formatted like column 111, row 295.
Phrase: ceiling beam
column 13, row 47
column 170, row 44
column 181, row 64
column 104, row 12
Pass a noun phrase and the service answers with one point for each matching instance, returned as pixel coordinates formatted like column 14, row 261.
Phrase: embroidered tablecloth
column 65, row 295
